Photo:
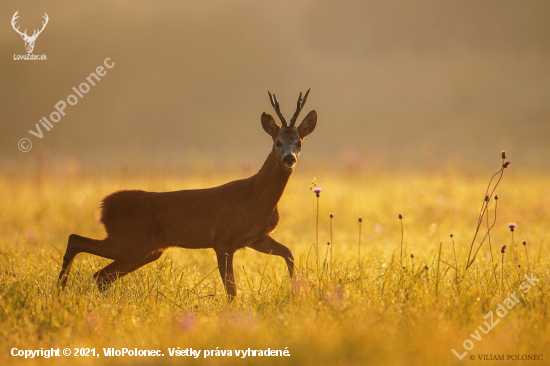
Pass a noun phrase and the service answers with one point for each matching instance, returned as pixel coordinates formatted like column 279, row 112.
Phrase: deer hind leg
column 104, row 277
column 269, row 245
column 225, row 265
column 79, row 244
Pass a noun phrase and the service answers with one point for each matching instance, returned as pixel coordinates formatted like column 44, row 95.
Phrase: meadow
column 378, row 309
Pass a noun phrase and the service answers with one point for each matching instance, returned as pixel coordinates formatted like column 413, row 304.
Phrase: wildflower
column 317, row 191
column 512, row 226
column 506, row 164
column 503, row 154
column 400, row 216
column 503, row 249
column 527, row 255
column 187, row 321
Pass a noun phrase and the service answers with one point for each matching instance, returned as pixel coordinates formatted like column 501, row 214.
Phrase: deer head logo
column 29, row 41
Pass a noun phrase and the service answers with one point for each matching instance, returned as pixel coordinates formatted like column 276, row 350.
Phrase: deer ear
column 308, row 124
column 269, row 125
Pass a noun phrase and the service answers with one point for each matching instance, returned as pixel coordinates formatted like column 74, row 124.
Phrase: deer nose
column 289, row 159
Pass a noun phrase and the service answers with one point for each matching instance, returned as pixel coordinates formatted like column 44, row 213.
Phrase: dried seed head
column 503, row 154
column 524, row 242
column 226, row 255
column 412, row 255
column 496, row 197
column 426, row 268
column 451, row 235
column 360, row 219
column 506, row 164
column 328, row 242
column 331, row 216
column 400, row 216
column 486, row 198
column 512, row 226
column 503, row 249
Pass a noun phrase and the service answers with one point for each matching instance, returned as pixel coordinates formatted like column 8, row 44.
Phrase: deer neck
column 270, row 182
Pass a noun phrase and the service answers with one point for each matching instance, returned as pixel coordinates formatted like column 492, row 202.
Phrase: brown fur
column 142, row 225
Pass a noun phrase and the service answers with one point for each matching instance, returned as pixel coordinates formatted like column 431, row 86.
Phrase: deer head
column 29, row 41
column 287, row 139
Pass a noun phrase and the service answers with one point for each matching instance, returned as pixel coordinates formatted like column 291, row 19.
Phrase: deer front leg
column 225, row 265
column 269, row 245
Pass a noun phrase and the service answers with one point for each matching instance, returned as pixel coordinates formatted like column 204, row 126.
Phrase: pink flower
column 186, row 321
column 317, row 191
column 512, row 226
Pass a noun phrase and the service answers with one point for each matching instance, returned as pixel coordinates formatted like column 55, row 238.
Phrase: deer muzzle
column 289, row 160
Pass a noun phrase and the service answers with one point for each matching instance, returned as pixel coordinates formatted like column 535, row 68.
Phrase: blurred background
column 396, row 84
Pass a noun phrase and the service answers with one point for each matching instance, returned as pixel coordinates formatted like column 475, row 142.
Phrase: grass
column 384, row 309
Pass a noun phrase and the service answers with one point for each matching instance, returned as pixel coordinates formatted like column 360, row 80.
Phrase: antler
column 275, row 103
column 34, row 34
column 299, row 105
column 13, row 24
column 43, row 26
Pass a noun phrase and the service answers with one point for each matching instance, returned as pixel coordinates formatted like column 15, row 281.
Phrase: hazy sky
column 392, row 81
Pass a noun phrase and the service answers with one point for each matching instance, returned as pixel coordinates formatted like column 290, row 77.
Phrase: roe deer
column 142, row 225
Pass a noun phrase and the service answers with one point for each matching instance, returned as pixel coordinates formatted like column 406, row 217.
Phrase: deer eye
column 278, row 144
